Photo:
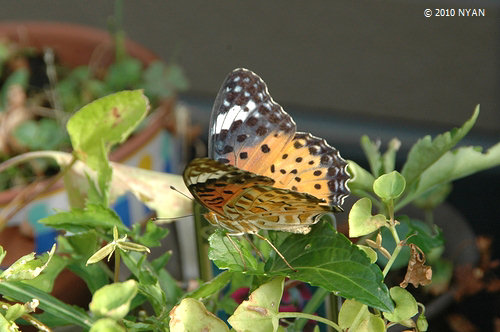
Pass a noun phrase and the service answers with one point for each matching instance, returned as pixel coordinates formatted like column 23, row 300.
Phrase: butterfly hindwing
column 308, row 164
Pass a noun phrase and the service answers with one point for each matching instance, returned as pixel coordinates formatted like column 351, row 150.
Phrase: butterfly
column 261, row 173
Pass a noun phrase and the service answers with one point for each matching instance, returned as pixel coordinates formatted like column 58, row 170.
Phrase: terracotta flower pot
column 75, row 45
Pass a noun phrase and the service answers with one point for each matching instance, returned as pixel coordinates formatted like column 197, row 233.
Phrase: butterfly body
column 261, row 173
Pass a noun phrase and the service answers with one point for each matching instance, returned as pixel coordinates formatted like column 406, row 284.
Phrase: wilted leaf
column 27, row 267
column 150, row 187
column 45, row 281
column 191, row 315
column 417, row 273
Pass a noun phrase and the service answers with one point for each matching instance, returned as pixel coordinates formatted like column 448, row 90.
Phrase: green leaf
column 372, row 153
column 351, row 311
column 212, row 286
column 327, row 259
column 113, row 300
column 125, row 74
column 433, row 197
column 373, row 324
column 106, row 325
column 454, row 165
column 149, row 281
column 162, row 81
column 96, row 127
column 430, row 240
column 259, row 312
column 6, row 325
column 44, row 134
column 406, row 305
column 226, row 256
column 81, row 245
column 2, row 254
column 426, row 151
column 160, row 262
column 422, row 323
column 191, row 315
column 356, row 317
column 361, row 221
column 361, row 181
column 389, row 156
column 389, row 186
column 27, row 267
column 93, row 275
column 370, row 253
column 19, row 77
column 82, row 220
column 24, row 293
column 152, row 235
column 15, row 311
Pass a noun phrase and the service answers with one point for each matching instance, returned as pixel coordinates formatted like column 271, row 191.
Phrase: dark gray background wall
column 341, row 68
column 376, row 60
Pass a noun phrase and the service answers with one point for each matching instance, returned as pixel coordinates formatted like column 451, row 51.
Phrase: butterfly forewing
column 214, row 184
column 247, row 128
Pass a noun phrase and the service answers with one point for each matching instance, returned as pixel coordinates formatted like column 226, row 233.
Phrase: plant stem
column 394, row 232
column 395, row 253
column 117, row 265
column 204, row 263
column 308, row 316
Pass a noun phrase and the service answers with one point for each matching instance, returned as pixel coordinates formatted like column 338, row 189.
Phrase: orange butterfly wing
column 249, row 130
column 245, row 202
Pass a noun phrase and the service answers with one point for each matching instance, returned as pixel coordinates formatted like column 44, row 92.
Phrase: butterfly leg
column 275, row 249
column 228, row 235
column 257, row 251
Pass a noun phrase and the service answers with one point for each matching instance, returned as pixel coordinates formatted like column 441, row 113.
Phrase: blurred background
column 340, row 68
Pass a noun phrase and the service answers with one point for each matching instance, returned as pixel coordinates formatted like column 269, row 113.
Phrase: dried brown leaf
column 417, row 273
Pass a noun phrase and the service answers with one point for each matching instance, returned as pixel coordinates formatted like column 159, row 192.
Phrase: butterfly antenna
column 168, row 219
column 275, row 249
column 180, row 192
